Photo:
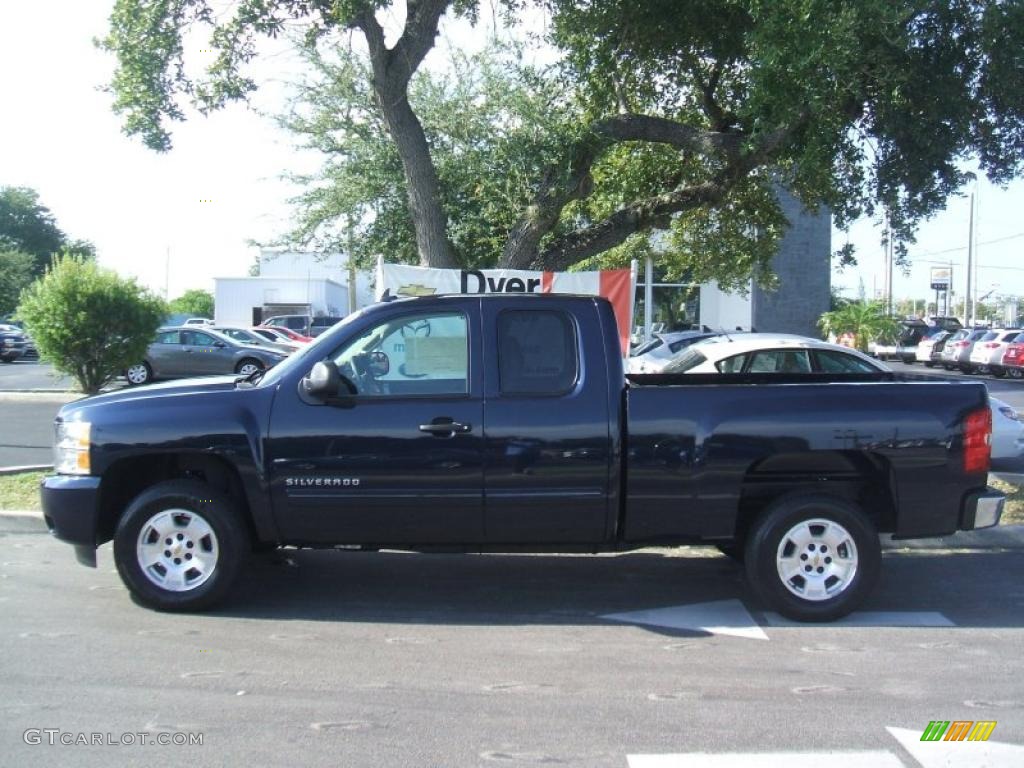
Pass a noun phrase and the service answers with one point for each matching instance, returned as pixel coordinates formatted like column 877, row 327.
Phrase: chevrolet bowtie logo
column 416, row 290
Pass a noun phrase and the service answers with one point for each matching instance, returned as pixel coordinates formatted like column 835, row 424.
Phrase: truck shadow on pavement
column 975, row 589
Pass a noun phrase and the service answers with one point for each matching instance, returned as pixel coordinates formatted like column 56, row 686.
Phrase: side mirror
column 324, row 382
column 220, row 344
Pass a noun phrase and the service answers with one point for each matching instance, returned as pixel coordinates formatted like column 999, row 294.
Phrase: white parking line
column 958, row 754
column 722, row 617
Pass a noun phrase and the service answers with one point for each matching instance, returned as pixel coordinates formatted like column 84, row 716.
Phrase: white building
column 291, row 283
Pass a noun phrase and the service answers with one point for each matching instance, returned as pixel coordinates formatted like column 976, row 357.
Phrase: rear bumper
column 71, row 510
column 982, row 509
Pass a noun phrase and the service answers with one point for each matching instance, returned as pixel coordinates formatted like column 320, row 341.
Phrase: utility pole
column 351, row 270
column 969, row 308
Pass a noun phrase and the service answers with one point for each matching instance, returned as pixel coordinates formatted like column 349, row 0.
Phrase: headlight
column 8, row 342
column 1009, row 413
column 71, row 450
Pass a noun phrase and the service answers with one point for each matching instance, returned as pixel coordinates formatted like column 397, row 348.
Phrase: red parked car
column 1013, row 357
column 287, row 332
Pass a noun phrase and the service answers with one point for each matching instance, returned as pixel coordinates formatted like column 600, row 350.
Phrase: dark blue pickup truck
column 505, row 423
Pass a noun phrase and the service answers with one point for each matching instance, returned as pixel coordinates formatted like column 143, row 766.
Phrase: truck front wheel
column 179, row 546
column 813, row 557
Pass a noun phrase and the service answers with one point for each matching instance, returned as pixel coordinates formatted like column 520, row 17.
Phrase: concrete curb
column 24, row 468
column 16, row 521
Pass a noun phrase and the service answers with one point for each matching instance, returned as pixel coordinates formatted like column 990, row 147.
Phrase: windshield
column 312, row 352
column 643, row 349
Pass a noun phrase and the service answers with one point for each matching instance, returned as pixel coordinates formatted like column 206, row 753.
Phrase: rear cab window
column 538, row 353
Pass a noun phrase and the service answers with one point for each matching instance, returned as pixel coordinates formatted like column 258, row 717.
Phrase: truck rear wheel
column 813, row 557
column 179, row 546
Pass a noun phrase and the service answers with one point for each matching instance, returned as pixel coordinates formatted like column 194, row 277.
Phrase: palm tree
column 866, row 320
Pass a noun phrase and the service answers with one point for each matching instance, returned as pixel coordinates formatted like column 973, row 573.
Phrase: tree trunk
column 422, row 185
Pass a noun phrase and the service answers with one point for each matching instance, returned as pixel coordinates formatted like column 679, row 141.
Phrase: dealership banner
column 616, row 285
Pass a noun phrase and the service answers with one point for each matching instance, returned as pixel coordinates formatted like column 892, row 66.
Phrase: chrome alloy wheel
column 816, row 559
column 137, row 374
column 248, row 369
column 177, row 550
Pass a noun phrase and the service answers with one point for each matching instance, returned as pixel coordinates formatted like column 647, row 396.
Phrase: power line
column 964, row 247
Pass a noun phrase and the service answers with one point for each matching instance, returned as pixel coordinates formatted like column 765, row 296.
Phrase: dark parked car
column 323, row 323
column 180, row 352
column 12, row 343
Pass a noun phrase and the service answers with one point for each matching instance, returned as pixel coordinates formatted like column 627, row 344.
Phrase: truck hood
column 162, row 390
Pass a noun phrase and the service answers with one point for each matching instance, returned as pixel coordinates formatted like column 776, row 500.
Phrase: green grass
column 1014, row 512
column 21, row 491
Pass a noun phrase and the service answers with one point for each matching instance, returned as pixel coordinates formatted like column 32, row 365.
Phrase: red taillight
column 977, row 438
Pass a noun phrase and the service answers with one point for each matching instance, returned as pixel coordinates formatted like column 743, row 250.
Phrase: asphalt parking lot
column 396, row 659
column 655, row 659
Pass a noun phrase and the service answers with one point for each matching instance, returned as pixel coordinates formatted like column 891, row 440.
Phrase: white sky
column 59, row 136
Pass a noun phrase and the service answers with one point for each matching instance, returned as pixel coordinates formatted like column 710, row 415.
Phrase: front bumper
column 982, row 509
column 71, row 509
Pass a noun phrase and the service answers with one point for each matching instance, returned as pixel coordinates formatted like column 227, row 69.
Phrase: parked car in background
column 200, row 321
column 297, row 323
column 188, row 351
column 249, row 336
column 1013, row 358
column 1007, row 430
column 987, row 353
column 281, row 332
column 771, row 353
column 957, row 352
column 929, row 346
column 12, row 343
column 320, row 324
column 656, row 353
column 912, row 332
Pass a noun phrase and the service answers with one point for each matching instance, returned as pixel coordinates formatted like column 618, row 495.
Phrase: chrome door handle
column 446, row 428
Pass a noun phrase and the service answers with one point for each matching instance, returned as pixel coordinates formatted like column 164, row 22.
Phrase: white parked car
column 987, row 353
column 771, row 353
column 200, row 321
column 654, row 355
column 1007, row 430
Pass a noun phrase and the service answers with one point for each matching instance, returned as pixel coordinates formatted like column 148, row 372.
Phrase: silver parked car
column 957, row 351
column 178, row 352
column 249, row 336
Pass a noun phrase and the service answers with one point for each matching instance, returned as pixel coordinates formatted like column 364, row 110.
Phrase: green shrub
column 88, row 321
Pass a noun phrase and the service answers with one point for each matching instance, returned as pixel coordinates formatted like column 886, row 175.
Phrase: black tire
column 764, row 548
column 139, row 374
column 216, row 510
column 249, row 361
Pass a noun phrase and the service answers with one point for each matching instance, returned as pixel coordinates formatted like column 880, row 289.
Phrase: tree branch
column 421, row 23
column 521, row 248
column 612, row 231
column 560, row 188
